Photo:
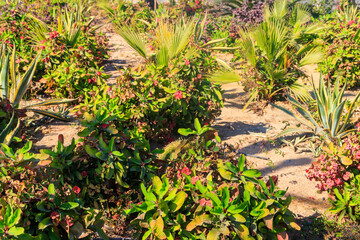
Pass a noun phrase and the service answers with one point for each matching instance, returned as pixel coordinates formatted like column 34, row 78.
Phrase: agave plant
column 13, row 88
column 333, row 121
column 277, row 48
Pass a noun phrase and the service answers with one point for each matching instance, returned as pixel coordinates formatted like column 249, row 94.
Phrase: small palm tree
column 277, row 48
column 170, row 39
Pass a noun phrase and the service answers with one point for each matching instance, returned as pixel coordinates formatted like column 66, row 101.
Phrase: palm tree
column 277, row 48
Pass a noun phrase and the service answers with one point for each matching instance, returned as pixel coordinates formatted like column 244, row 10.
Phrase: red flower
column 186, row 171
column 104, row 125
column 98, row 73
column 84, row 174
column 22, row 37
column 171, row 139
column 76, row 190
column 187, row 62
column 178, row 95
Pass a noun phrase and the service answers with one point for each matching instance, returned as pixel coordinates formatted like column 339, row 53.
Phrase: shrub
column 342, row 40
column 138, row 16
column 77, row 49
column 337, row 172
column 193, row 203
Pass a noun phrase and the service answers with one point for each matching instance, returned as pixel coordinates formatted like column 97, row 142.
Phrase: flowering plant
column 337, row 165
column 337, row 172
column 342, row 41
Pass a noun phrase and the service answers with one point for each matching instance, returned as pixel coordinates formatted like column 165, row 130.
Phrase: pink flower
column 22, row 37
column 84, row 174
column 357, row 155
column 194, row 180
column 187, row 62
column 80, row 47
column 42, row 41
column 76, row 190
column 202, row 202
column 17, row 61
column 350, row 22
column 338, row 181
column 156, row 82
column 186, row 171
column 347, row 176
column 338, row 7
column 199, row 76
column 178, row 95
column 42, row 47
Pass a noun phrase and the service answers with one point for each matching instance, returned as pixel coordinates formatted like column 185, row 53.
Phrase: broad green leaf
column 45, row 223
column 68, row 205
column 198, row 221
column 178, row 201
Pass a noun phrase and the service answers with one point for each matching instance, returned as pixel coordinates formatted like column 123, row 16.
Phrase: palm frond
column 133, row 39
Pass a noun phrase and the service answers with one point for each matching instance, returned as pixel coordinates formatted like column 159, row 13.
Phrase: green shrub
column 208, row 197
column 342, row 40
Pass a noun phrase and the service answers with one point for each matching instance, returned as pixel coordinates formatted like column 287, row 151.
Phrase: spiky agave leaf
column 24, row 82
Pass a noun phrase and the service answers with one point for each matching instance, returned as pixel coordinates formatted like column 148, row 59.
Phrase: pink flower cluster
column 53, row 34
column 329, row 170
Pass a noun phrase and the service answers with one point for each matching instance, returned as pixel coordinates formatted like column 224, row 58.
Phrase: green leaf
column 157, row 185
column 51, row 190
column 251, row 173
column 69, row 205
column 45, row 223
column 15, row 218
column 197, row 125
column 16, row 231
column 185, row 131
column 157, row 227
column 178, row 201
column 238, row 218
column 198, row 221
column 213, row 234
